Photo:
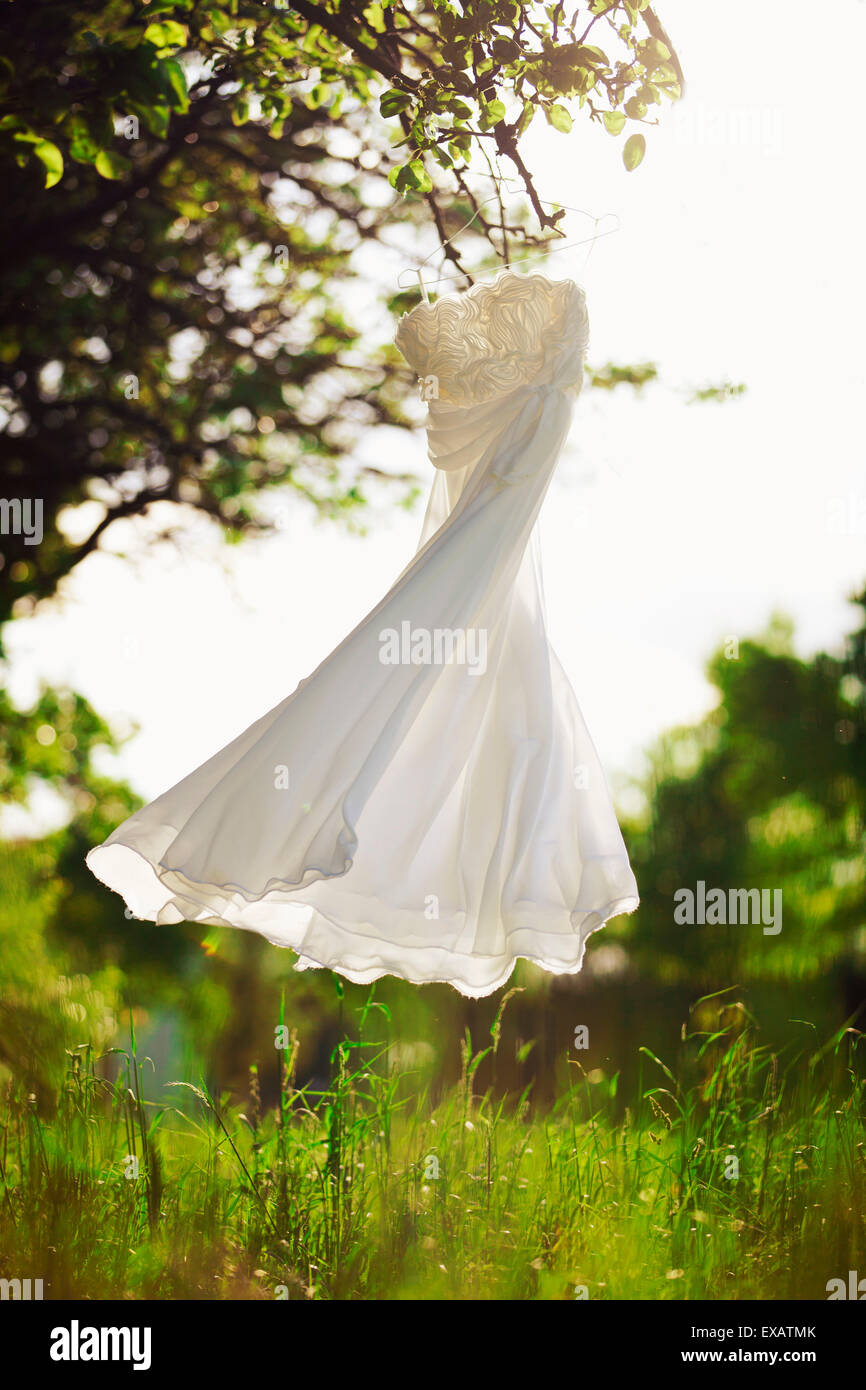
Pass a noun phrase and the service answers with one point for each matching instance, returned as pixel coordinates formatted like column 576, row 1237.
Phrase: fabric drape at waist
column 459, row 436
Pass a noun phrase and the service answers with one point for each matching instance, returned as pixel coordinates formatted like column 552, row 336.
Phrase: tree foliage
column 768, row 792
column 190, row 190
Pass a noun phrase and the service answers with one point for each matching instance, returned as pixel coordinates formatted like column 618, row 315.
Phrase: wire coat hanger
column 417, row 271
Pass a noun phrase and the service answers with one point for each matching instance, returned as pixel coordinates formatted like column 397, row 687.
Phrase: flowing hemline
column 350, row 955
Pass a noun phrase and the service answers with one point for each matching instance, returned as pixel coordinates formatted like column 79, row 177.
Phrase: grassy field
column 737, row 1174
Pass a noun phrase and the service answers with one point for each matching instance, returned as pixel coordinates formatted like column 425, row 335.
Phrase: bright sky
column 669, row 526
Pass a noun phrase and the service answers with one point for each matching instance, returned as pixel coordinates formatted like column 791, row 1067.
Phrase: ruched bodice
column 515, row 331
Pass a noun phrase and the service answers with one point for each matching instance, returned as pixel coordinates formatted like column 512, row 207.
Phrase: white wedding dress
column 401, row 813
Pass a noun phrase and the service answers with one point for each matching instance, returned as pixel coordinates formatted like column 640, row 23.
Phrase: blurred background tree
column 769, row 789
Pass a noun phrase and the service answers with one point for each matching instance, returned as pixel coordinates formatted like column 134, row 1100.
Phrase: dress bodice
column 517, row 330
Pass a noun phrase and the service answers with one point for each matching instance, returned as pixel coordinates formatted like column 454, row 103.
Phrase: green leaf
column 166, row 33
column 664, row 73
column 635, row 108
column 660, row 49
column 393, row 102
column 421, row 179
column 49, row 154
column 319, row 95
column 411, row 176
column 46, row 151
column 493, row 112
column 374, row 16
column 505, row 50
column 525, row 117
column 560, row 119
column 111, row 165
column 175, row 83
column 633, row 151
column 614, row 121
column 82, row 146
column 155, row 116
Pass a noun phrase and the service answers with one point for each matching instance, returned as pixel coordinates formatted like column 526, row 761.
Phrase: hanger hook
column 509, row 184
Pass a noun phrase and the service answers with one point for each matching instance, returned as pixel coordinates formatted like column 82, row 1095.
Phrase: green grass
column 334, row 1195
